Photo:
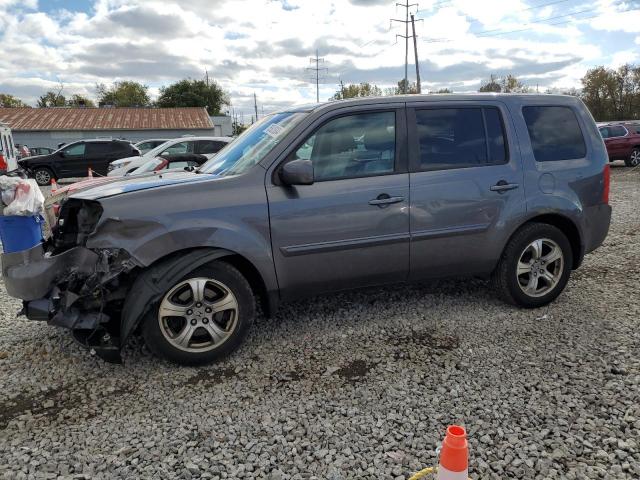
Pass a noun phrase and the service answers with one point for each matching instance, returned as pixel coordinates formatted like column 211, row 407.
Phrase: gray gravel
column 356, row 385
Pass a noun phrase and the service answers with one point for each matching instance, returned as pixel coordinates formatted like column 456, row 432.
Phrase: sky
column 264, row 46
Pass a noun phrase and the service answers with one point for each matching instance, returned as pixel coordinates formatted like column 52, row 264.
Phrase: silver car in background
column 199, row 145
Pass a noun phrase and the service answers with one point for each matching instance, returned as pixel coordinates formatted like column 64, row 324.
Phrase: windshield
column 253, row 145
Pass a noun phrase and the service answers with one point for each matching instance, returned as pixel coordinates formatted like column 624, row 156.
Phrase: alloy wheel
column 634, row 159
column 43, row 177
column 198, row 314
column 540, row 267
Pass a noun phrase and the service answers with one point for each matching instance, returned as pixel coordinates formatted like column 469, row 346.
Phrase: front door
column 466, row 182
column 71, row 160
column 350, row 228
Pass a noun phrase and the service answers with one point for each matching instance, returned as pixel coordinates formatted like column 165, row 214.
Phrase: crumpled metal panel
column 29, row 274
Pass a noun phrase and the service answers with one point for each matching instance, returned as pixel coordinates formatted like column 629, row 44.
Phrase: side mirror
column 297, row 172
column 190, row 168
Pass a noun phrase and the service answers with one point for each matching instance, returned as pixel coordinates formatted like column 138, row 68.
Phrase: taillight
column 3, row 162
column 606, row 180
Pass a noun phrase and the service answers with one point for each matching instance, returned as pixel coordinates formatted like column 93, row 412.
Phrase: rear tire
column 534, row 267
column 634, row 158
column 212, row 310
column 43, row 176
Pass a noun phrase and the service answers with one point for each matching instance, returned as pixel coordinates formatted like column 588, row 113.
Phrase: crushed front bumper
column 72, row 290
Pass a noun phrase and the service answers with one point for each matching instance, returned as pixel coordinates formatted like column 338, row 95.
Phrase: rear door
column 350, row 228
column 617, row 142
column 466, row 183
column 98, row 155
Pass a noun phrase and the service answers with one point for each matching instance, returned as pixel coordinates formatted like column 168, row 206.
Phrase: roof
column 531, row 98
column 63, row 118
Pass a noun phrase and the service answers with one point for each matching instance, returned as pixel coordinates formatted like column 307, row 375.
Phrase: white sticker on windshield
column 274, row 130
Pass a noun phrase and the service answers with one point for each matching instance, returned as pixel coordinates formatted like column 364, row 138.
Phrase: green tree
column 402, row 88
column 511, row 84
column 493, row 85
column 78, row 100
column 7, row 100
column 51, row 99
column 238, row 128
column 123, row 94
column 612, row 94
column 194, row 93
column 443, row 90
column 354, row 90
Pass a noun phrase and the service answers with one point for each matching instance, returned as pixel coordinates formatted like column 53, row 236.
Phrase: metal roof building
column 48, row 127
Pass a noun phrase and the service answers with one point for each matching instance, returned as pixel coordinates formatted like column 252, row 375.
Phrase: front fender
column 153, row 282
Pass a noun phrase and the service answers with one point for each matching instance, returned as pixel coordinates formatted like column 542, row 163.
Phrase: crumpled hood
column 122, row 185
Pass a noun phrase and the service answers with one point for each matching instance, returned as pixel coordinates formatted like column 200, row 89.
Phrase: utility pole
column 317, row 69
column 206, row 75
column 406, row 21
column 255, row 105
column 415, row 51
column 342, row 89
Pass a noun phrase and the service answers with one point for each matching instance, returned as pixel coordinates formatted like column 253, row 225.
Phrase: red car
column 623, row 141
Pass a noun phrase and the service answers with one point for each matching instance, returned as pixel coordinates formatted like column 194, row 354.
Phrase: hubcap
column 540, row 267
column 635, row 158
column 43, row 177
column 198, row 314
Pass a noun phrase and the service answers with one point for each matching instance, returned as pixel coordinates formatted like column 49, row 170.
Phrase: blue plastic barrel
column 20, row 233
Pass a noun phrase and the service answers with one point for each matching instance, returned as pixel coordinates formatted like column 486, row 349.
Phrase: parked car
column 171, row 162
column 41, row 150
column 622, row 140
column 395, row 189
column 200, row 145
column 8, row 159
column 150, row 144
column 75, row 159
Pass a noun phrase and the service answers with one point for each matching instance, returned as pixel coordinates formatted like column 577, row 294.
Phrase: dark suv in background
column 622, row 140
column 321, row 198
column 75, row 159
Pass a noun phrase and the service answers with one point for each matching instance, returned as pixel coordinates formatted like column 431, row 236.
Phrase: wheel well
column 569, row 229
column 246, row 268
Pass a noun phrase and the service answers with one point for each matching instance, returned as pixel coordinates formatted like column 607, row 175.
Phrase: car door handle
column 503, row 186
column 385, row 199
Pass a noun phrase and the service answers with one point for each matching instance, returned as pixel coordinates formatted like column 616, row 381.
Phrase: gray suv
column 323, row 198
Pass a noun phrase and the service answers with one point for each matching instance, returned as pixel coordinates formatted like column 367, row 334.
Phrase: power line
column 480, row 34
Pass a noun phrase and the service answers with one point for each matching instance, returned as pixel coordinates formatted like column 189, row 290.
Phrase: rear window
column 555, row 133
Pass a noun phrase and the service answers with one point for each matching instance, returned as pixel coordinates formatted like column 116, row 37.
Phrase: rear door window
column 97, row 149
column 554, row 133
column 617, row 131
column 460, row 137
column 208, row 146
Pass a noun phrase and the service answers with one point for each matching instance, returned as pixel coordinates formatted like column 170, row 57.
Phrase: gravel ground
column 356, row 385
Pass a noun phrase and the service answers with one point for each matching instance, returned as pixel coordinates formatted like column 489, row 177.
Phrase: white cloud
column 264, row 46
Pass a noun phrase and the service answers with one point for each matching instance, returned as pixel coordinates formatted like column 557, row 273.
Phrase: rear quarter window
column 554, row 132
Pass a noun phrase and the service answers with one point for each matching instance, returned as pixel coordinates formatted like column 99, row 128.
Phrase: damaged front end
column 63, row 282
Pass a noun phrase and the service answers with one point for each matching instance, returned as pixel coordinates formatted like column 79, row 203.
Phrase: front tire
column 535, row 266
column 201, row 318
column 634, row 158
column 43, row 176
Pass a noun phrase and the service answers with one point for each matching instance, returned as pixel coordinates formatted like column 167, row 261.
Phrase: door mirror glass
column 297, row 172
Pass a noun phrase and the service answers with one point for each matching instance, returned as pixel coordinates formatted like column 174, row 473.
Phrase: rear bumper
column 596, row 228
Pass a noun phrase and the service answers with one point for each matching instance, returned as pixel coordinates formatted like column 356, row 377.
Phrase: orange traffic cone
column 54, row 185
column 454, row 455
column 90, row 173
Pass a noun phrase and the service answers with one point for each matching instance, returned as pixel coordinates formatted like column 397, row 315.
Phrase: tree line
column 610, row 94
column 126, row 93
